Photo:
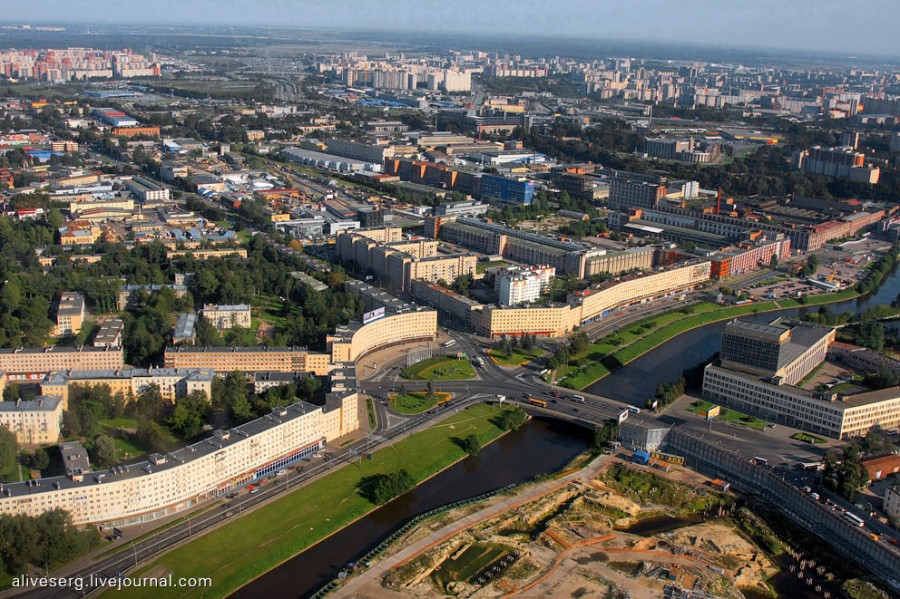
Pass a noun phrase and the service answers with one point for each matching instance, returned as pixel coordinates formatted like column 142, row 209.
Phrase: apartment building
column 225, row 317
column 34, row 422
column 131, row 382
column 516, row 286
column 129, row 293
column 585, row 306
column 25, row 364
column 207, row 253
column 350, row 342
column 248, row 359
column 166, row 484
column 69, row 314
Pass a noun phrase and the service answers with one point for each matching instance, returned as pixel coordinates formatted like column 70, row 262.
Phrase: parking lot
column 838, row 269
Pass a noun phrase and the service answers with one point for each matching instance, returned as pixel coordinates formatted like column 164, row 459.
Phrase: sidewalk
column 355, row 586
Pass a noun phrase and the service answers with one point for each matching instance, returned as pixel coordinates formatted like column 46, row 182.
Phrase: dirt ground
column 569, row 542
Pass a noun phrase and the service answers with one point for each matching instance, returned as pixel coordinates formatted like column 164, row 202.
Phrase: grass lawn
column 518, row 357
column 729, row 415
column 483, row 266
column 807, row 438
column 246, row 547
column 440, row 368
column 417, row 402
column 112, row 424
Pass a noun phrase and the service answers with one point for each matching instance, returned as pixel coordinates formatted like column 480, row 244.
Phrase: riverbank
column 603, row 364
column 246, row 548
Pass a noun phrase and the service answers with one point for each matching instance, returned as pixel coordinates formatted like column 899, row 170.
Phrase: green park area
column 417, row 402
column 516, row 356
column 440, row 368
column 247, row 547
column 701, row 407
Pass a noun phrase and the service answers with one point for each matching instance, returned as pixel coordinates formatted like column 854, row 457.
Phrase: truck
column 641, row 457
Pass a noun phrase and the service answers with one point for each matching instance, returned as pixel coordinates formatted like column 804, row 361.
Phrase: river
column 541, row 446
column 636, row 382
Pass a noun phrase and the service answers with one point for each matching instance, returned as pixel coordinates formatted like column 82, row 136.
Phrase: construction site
column 611, row 529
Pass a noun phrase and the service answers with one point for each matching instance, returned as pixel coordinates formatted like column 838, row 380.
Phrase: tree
column 511, row 420
column 8, row 449
column 605, row 434
column 104, row 452
column 39, row 460
column 773, row 261
column 429, row 391
column 381, row 488
column 189, row 415
column 150, row 436
column 471, row 445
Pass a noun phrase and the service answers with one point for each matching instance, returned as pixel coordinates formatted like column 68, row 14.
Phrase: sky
column 835, row 26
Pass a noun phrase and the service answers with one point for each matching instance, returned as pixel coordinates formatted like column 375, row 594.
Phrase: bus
column 537, row 402
column 450, row 343
column 578, row 398
column 854, row 519
column 760, row 461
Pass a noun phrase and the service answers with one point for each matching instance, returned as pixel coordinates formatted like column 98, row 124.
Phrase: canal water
column 541, row 446
column 636, row 382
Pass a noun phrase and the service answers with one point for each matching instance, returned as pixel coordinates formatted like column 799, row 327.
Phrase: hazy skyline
column 823, row 25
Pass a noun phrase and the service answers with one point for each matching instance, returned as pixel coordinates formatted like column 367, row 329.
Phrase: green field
column 517, row 357
column 244, row 548
column 416, row 402
column 473, row 561
column 440, row 368
column 729, row 415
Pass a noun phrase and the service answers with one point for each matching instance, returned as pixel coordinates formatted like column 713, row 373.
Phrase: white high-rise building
column 517, row 286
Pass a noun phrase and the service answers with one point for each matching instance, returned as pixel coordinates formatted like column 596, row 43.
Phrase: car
column 254, row 490
column 281, row 473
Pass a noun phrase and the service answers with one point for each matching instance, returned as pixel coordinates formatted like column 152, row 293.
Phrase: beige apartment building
column 34, row 422
column 131, row 382
column 69, row 314
column 207, row 254
column 170, row 483
column 588, row 305
column 34, row 361
column 351, row 342
column 248, row 359
column 225, row 317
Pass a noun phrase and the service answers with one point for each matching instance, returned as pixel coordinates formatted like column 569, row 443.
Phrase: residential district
column 219, row 268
